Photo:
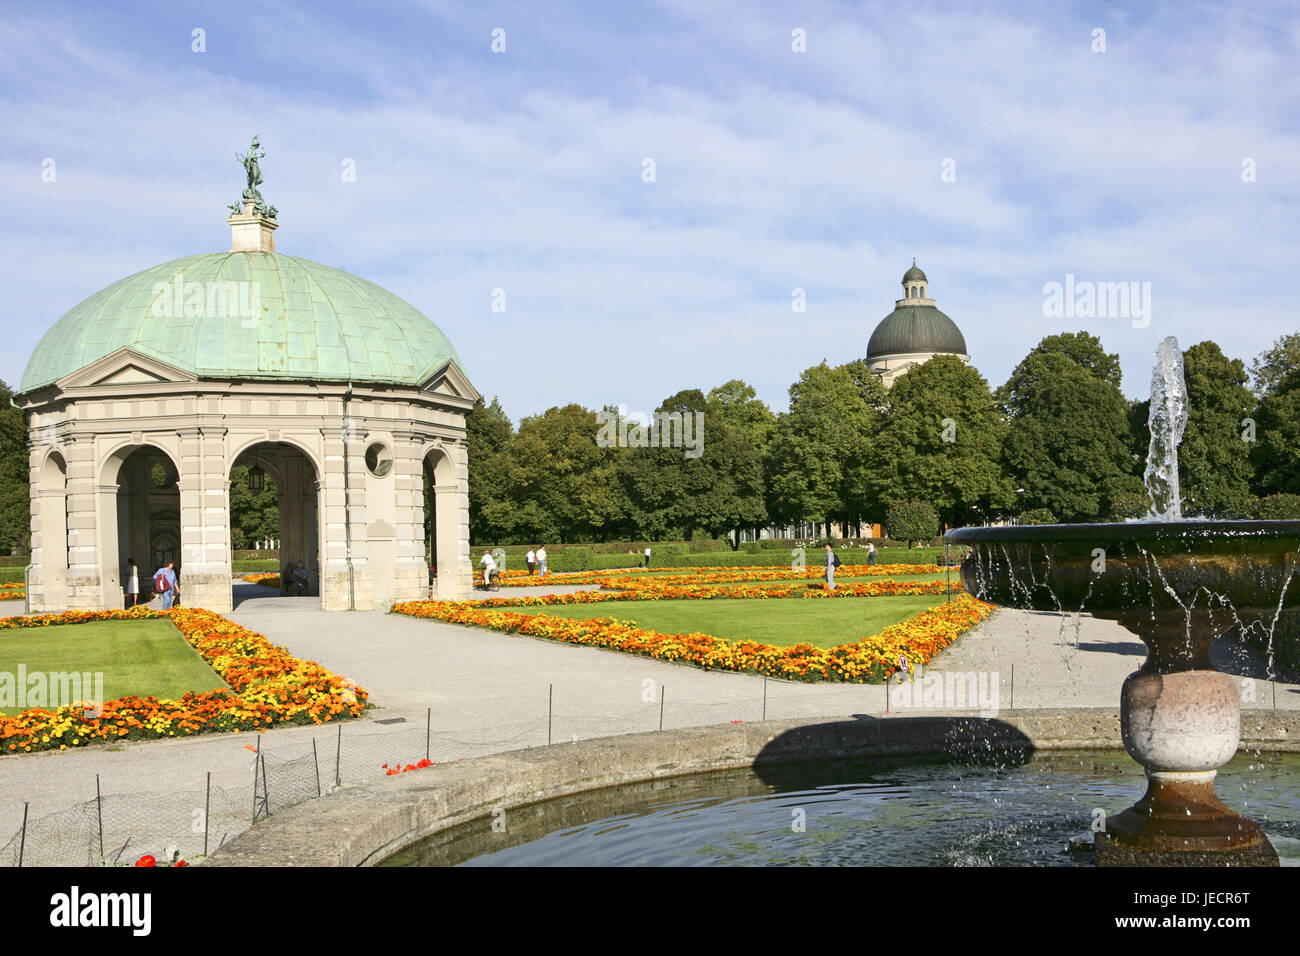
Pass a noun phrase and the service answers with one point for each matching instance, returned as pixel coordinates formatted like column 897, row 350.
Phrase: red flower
column 146, row 860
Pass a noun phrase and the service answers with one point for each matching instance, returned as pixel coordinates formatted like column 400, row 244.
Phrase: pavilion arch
column 441, row 489
column 311, row 453
column 138, row 516
column 50, row 529
column 297, row 478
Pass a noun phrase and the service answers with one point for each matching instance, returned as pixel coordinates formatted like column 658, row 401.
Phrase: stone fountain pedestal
column 1178, row 585
column 1181, row 720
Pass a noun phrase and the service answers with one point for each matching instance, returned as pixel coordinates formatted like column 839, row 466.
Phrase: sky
column 1005, row 146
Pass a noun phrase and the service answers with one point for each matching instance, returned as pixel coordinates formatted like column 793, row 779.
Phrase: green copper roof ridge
column 400, row 345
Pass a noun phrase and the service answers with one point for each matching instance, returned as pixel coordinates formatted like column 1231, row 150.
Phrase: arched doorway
column 140, row 518
column 440, row 501
column 274, row 494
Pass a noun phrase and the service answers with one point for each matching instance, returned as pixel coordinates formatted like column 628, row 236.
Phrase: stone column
column 204, row 519
column 84, row 590
column 345, row 581
column 451, row 499
column 411, row 574
column 49, row 527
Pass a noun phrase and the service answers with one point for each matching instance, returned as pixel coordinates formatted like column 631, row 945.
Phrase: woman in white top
column 132, row 581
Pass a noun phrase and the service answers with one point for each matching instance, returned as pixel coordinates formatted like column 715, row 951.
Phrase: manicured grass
column 254, row 565
column 823, row 622
column 8, row 575
column 139, row 658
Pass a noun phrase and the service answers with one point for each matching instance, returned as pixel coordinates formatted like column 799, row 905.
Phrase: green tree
column 253, row 517
column 489, row 433
column 15, row 522
column 940, row 442
column 1278, row 508
column 1273, row 365
column 911, row 521
column 563, row 484
column 1276, row 454
column 739, row 432
column 1068, row 444
column 817, row 445
column 1213, row 461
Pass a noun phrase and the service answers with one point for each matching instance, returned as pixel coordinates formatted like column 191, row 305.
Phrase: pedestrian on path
column 647, row 556
column 531, row 560
column 832, row 562
column 488, row 567
column 871, row 552
column 132, row 582
column 541, row 560
column 166, row 585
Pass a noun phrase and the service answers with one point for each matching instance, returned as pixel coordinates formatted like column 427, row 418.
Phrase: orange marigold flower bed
column 870, row 660
column 666, row 591
column 270, row 578
column 269, row 686
column 614, row 577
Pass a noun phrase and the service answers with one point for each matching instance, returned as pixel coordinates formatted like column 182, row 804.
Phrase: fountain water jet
column 1178, row 584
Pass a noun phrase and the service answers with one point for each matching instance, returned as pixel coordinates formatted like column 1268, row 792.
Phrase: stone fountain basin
column 1117, row 569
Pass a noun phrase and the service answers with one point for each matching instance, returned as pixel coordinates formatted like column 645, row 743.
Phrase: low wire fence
column 120, row 828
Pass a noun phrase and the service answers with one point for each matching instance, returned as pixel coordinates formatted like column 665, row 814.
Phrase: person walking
column 132, row 581
column 832, row 562
column 871, row 552
column 166, row 585
column 541, row 560
column 647, row 556
column 531, row 560
column 488, row 567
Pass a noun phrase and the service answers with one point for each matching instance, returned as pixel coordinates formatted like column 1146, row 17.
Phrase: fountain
column 1178, row 584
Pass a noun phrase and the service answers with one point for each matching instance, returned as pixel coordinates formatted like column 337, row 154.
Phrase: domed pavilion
column 143, row 398
column 914, row 332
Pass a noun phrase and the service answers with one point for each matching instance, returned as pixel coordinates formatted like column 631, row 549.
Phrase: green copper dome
column 915, row 328
column 914, row 273
column 282, row 318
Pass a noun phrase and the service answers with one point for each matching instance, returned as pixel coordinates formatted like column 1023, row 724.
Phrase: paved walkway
column 486, row 692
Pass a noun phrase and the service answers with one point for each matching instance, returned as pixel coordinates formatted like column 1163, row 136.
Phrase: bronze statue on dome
column 253, row 172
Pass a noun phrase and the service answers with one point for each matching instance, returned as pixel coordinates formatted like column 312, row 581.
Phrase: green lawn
column 824, row 622
column 136, row 657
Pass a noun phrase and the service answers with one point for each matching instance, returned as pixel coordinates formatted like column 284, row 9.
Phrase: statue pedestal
column 1181, row 720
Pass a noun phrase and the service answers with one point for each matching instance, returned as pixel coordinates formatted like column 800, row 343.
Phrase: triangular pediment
column 450, row 382
column 124, row 367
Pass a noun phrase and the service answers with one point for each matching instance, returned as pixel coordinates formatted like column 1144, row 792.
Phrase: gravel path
column 484, row 692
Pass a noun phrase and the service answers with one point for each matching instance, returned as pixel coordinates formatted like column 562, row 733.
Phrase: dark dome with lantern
column 916, row 325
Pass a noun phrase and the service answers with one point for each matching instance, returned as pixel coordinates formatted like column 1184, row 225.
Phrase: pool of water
column 864, row 813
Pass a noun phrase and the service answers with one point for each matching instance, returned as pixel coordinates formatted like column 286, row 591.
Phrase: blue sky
column 774, row 170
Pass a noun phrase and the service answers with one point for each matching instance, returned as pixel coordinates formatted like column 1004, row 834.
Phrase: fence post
column 207, row 813
column 315, row 763
column 22, row 840
column 99, row 812
column 428, row 732
column 663, row 691
column 947, row 570
column 266, row 787
column 1013, row 685
column 257, row 758
column 550, row 710
column 888, row 681
column 765, row 697
column 338, row 760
